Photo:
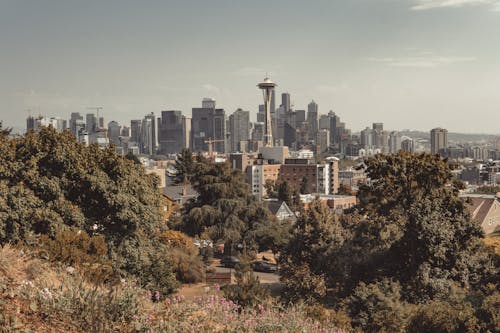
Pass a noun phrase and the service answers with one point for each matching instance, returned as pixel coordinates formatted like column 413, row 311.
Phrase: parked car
column 262, row 266
column 229, row 261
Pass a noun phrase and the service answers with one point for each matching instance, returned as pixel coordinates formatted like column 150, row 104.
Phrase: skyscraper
column 394, row 142
column 285, row 101
column 439, row 139
column 75, row 116
column 312, row 119
column 208, row 123
column 114, row 131
column 267, row 88
column 154, row 132
column 135, row 130
column 91, row 123
column 171, row 132
column 219, row 130
column 147, row 145
column 367, row 138
column 239, row 129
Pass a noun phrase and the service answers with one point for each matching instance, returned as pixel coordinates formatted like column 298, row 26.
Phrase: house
column 485, row 210
column 280, row 209
column 180, row 194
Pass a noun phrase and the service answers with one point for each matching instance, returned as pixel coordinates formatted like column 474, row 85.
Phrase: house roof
column 274, row 206
column 180, row 193
column 485, row 211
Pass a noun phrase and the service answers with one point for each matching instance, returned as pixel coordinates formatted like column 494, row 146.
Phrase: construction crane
column 210, row 143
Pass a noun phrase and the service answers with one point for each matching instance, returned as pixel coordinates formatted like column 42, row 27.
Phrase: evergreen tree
column 248, row 291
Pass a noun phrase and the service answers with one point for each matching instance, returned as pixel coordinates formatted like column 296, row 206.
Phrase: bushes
column 90, row 308
column 49, row 181
column 187, row 263
column 247, row 292
column 378, row 307
column 444, row 317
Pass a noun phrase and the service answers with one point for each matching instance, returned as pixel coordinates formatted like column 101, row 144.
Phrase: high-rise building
column 322, row 140
column 202, row 126
column 135, row 130
column 220, row 131
column 171, row 132
column 394, row 142
column 367, row 138
column 75, row 116
column 208, row 123
column 101, row 124
column 154, row 133
column 114, row 131
column 312, row 118
column 267, row 87
column 324, row 122
column 30, row 123
column 146, row 142
column 261, row 115
column 186, row 132
column 285, row 101
column 91, row 123
column 407, row 145
column 239, row 129
column 208, row 103
column 125, row 132
column 439, row 140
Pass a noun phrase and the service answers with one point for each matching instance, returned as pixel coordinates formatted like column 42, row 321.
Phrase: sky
column 411, row 64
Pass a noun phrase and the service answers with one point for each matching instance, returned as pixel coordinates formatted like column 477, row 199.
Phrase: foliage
column 225, row 208
column 57, row 301
column 48, row 180
column 185, row 167
column 307, row 255
column 409, row 242
column 78, row 250
column 444, row 317
column 248, row 291
column 378, row 307
column 487, row 189
column 346, row 190
column 188, row 265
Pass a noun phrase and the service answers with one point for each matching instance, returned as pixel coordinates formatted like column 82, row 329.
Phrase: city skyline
column 410, row 64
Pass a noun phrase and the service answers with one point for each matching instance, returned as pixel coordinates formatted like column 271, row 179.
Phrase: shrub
column 443, row 317
column 91, row 308
column 378, row 307
column 323, row 315
column 248, row 291
column 187, row 264
column 76, row 248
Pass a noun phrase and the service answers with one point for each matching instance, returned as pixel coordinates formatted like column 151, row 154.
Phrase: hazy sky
column 414, row 64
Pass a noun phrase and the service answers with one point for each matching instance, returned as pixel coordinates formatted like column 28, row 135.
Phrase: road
column 265, row 278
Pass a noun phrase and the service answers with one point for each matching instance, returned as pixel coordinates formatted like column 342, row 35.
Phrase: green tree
column 225, row 208
column 308, row 253
column 248, row 292
column 49, row 180
column 185, row 167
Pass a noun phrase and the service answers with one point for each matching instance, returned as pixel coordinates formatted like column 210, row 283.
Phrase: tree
column 432, row 240
column 225, row 208
column 248, row 292
column 49, row 180
column 185, row 167
column 284, row 192
column 308, row 252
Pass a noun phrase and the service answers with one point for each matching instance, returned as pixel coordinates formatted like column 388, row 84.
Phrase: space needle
column 267, row 88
